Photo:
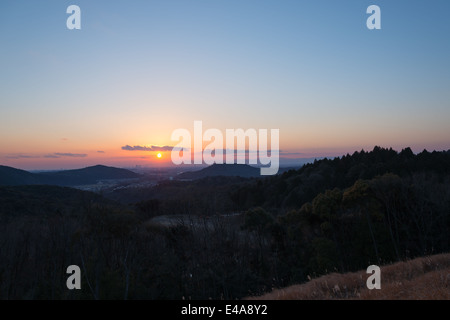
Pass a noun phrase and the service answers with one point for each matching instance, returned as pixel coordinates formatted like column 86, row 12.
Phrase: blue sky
column 137, row 70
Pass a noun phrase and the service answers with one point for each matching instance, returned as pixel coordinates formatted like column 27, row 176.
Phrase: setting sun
column 159, row 155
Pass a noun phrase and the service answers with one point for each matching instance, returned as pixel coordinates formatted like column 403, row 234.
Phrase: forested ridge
column 334, row 215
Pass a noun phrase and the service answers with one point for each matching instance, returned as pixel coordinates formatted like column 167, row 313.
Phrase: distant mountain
column 90, row 175
column 227, row 170
column 14, row 177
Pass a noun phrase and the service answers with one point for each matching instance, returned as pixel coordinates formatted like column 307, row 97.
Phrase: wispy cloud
column 22, row 156
column 73, row 155
column 144, row 148
column 136, row 148
column 164, row 148
column 100, row 151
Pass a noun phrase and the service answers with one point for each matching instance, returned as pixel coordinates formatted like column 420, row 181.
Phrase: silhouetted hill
column 226, row 170
column 293, row 188
column 12, row 177
column 90, row 175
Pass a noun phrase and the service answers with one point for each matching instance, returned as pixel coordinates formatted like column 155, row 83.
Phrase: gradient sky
column 137, row 70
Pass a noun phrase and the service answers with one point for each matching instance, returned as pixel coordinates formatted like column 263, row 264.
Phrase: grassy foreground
column 425, row 278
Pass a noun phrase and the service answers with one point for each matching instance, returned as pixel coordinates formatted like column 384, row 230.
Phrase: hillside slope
column 14, row 177
column 89, row 175
column 426, row 278
column 42, row 200
column 225, row 170
column 11, row 177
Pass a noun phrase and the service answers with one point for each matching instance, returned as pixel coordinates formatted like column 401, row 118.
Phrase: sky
column 138, row 70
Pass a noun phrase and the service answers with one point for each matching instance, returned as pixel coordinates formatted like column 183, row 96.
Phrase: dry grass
column 426, row 278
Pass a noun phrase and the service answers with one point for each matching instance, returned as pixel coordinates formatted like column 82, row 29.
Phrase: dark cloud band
column 152, row 148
